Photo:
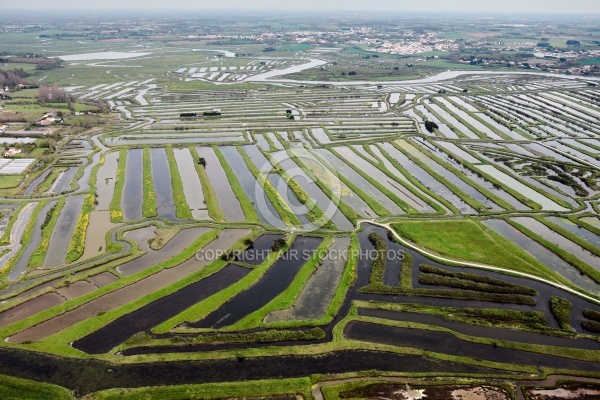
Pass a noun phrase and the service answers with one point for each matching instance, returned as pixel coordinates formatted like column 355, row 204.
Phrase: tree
column 202, row 161
column 430, row 126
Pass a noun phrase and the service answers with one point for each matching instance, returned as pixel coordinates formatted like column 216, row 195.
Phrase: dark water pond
column 147, row 317
column 274, row 281
column 133, row 195
column 444, row 342
column 161, row 175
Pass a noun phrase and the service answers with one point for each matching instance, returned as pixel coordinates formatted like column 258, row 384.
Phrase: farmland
column 223, row 220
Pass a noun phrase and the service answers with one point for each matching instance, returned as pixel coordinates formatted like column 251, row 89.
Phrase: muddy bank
column 313, row 301
column 103, row 279
column 175, row 246
column 95, row 239
column 129, row 293
column 30, row 308
column 147, row 317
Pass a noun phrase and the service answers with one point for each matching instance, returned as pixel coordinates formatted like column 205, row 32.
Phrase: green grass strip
column 420, row 186
column 212, row 202
column 569, row 235
column 286, row 298
column 591, row 272
column 282, row 208
column 262, row 388
column 26, row 238
column 375, row 206
column 392, row 196
column 39, row 254
column 5, row 240
column 450, row 168
column 381, row 166
column 59, row 342
column 149, row 204
column 77, row 245
column 315, row 215
column 467, row 199
column 17, row 388
column 344, row 208
column 183, row 209
column 116, row 213
column 205, row 307
column 469, row 240
column 46, row 184
column 245, row 203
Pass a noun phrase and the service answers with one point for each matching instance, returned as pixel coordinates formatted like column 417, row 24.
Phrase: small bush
column 561, row 309
column 591, row 314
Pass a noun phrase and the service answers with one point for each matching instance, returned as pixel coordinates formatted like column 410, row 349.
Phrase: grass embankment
column 263, row 388
column 58, row 343
column 468, row 240
column 77, row 245
column 592, row 323
column 344, row 208
column 212, row 202
column 404, row 148
column 286, row 298
column 382, row 188
column 378, row 262
column 5, row 239
column 149, row 204
column 183, row 209
column 451, row 169
column 21, row 389
column 266, row 336
column 411, row 188
column 419, row 185
column 39, row 254
column 162, row 237
column 561, row 310
column 116, row 213
column 287, row 215
column 214, row 302
column 375, row 206
column 469, row 281
column 10, row 181
column 591, row 272
column 245, row 203
column 569, row 235
column 534, row 320
column 315, row 214
column 47, row 183
column 26, row 238
column 467, row 286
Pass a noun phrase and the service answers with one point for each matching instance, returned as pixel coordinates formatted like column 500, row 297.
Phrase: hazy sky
column 554, row 6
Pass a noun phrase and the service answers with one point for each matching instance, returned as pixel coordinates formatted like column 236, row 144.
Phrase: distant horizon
column 506, row 7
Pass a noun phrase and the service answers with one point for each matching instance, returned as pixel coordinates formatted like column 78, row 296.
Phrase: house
column 11, row 152
column 47, row 121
